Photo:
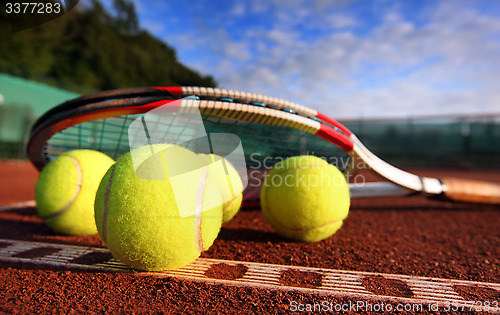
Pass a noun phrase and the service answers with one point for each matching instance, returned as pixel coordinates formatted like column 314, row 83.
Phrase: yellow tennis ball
column 230, row 184
column 66, row 188
column 305, row 198
column 138, row 208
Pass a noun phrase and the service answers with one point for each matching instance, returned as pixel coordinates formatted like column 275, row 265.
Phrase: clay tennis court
column 409, row 254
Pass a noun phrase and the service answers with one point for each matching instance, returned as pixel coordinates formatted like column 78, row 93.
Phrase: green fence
column 23, row 100
column 434, row 142
column 15, row 124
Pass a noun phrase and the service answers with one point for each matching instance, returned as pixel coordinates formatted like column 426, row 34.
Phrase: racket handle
column 465, row 190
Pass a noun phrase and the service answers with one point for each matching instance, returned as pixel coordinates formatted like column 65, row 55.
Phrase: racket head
column 270, row 129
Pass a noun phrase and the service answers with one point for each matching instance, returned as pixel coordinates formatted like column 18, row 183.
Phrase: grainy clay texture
column 412, row 236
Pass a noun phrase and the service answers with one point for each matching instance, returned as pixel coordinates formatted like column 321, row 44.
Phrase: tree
column 126, row 18
column 90, row 49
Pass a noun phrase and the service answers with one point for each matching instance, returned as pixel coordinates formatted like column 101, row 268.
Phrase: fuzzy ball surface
column 304, row 198
column 66, row 189
column 230, row 184
column 137, row 214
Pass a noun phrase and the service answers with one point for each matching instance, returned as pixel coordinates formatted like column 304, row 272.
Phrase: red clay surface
column 410, row 235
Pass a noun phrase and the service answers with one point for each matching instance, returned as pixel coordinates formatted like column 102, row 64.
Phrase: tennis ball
column 304, row 198
column 66, row 188
column 139, row 218
column 230, row 184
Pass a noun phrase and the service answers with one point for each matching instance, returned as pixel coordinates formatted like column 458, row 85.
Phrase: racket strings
column 260, row 141
column 264, row 145
column 105, row 135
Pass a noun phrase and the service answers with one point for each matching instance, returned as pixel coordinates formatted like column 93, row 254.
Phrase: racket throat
column 393, row 174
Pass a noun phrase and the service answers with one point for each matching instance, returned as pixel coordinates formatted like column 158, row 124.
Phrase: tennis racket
column 270, row 130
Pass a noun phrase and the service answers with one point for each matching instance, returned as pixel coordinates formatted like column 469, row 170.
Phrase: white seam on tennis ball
column 77, row 191
column 106, row 205
column 200, row 192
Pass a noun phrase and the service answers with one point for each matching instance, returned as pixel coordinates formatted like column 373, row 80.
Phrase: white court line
column 425, row 290
column 18, row 205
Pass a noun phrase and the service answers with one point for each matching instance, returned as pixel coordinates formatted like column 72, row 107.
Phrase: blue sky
column 348, row 59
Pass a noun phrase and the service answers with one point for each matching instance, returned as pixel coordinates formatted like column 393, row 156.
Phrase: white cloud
column 447, row 65
column 341, row 21
column 238, row 9
column 155, row 27
column 444, row 59
column 236, row 51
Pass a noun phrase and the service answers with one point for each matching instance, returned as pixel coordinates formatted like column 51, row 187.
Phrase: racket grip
column 465, row 190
